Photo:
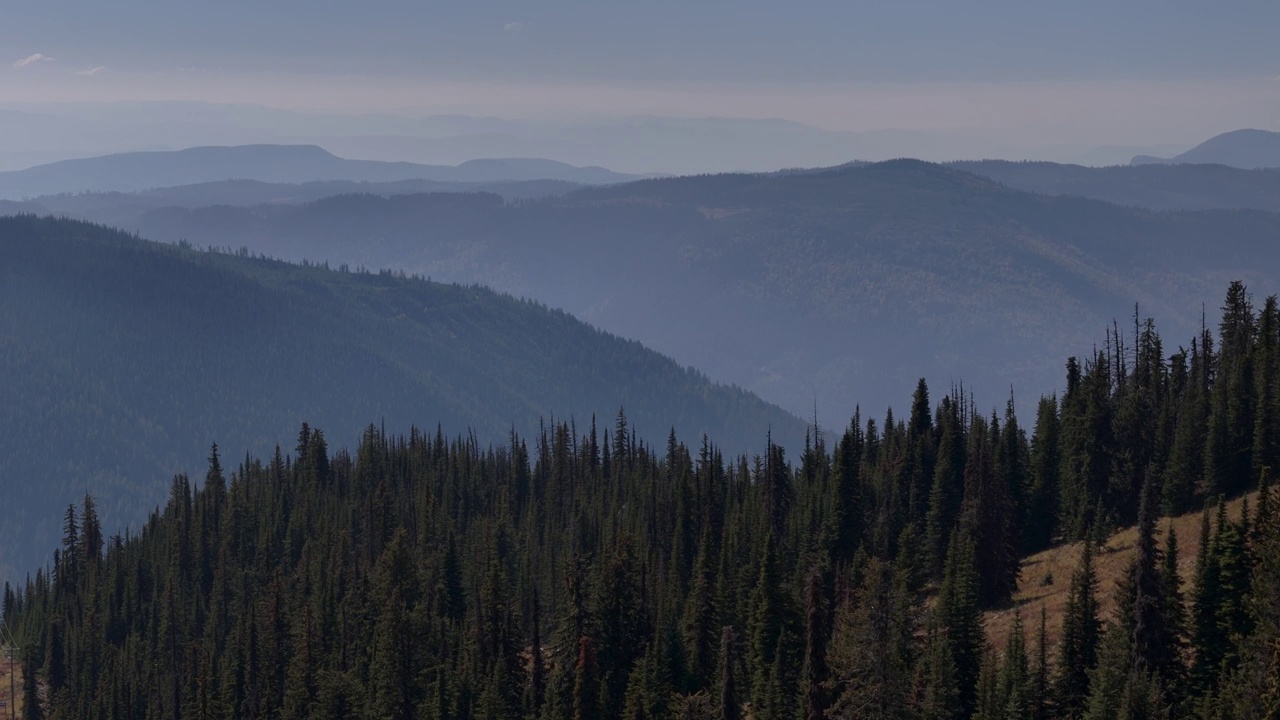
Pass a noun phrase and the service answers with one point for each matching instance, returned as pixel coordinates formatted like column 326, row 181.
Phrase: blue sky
column 1183, row 67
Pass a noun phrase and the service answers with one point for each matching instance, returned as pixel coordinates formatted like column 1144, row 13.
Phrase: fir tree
column 1077, row 651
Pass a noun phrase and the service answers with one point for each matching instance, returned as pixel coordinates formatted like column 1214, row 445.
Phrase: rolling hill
column 129, row 172
column 857, row 280
column 1247, row 149
column 122, row 361
column 1152, row 186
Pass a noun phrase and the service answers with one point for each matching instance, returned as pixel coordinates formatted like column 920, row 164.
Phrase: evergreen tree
column 1142, row 599
column 1109, row 679
column 813, row 674
column 729, row 704
column 1077, row 651
column 1042, row 501
column 959, row 616
column 871, row 653
column 586, row 690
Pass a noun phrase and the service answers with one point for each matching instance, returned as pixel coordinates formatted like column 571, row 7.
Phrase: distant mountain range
column 857, row 280
column 122, row 361
column 31, row 135
column 1156, row 187
column 123, row 209
column 1152, row 186
column 129, row 172
column 1247, row 149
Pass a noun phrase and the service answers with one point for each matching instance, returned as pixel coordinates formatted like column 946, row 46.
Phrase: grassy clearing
column 1034, row 592
column 10, row 708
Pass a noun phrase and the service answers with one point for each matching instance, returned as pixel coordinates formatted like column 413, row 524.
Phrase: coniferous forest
column 582, row 573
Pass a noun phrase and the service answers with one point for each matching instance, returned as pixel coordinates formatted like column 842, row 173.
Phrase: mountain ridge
column 1248, row 148
column 137, row 171
column 846, row 272
column 138, row 356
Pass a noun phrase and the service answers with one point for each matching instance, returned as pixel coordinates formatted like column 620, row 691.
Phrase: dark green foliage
column 1077, row 651
column 958, row 615
column 728, row 700
column 420, row 577
column 31, row 707
column 1043, row 494
column 872, row 650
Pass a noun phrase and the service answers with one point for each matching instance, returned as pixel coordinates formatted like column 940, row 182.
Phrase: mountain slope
column 123, row 209
column 127, row 172
column 123, row 360
column 1151, row 186
column 857, row 281
column 1247, row 149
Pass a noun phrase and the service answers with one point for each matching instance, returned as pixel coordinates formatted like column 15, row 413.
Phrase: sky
column 1087, row 71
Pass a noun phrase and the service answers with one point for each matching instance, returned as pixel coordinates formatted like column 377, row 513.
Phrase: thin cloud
column 32, row 60
column 513, row 27
column 91, row 71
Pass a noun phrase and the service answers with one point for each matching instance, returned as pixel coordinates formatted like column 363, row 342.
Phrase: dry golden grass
column 14, row 708
column 1110, row 562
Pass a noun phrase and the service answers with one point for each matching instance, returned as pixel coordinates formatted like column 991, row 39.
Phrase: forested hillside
column 122, row 360
column 1156, row 187
column 845, row 285
column 576, row 574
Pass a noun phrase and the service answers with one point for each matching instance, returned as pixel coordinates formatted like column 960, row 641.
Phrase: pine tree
column 1186, row 455
column 699, row 623
column 813, row 674
column 1174, row 612
column 1109, row 679
column 1266, row 435
column 938, row 687
column 1042, row 501
column 1039, row 691
column 988, row 516
column 1015, row 676
column 301, row 691
column 1142, row 603
column 767, row 622
column 31, row 708
column 586, row 682
column 729, row 704
column 849, row 492
column 871, row 654
column 1077, row 651
column 959, row 616
column 1254, row 691
column 391, row 668
column 947, row 493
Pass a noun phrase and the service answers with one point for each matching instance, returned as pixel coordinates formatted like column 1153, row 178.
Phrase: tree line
column 582, row 573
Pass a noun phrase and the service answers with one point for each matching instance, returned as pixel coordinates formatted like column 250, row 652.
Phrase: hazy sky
column 1098, row 70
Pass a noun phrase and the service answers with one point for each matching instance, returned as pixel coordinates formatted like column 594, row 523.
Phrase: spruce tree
column 1109, row 679
column 31, row 708
column 1077, row 651
column 959, row 616
column 586, row 682
column 727, row 699
column 1042, row 500
column 813, row 673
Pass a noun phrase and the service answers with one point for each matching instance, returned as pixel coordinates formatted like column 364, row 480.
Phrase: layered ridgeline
column 847, row 285
column 584, row 576
column 1247, row 148
column 134, row 171
column 122, row 360
column 1155, row 187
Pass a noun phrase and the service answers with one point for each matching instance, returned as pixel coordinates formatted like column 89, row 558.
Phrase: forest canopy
column 584, row 573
